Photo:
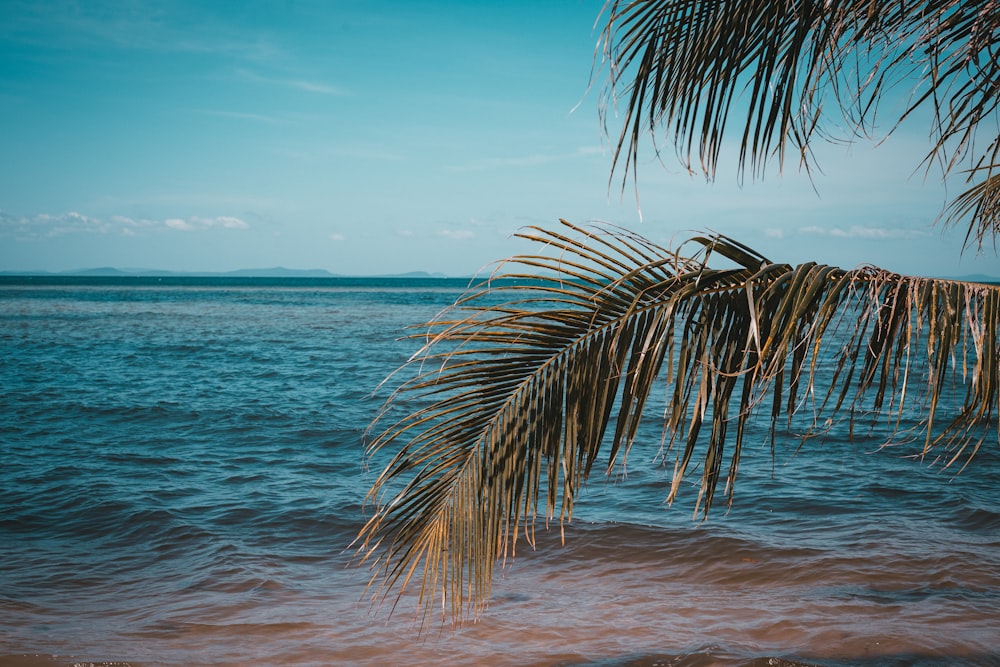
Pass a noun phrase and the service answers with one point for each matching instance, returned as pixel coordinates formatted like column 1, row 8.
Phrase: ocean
column 183, row 474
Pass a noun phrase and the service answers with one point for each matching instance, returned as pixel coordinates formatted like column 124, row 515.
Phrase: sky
column 370, row 138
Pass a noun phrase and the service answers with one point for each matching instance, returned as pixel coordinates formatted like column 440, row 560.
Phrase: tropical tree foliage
column 690, row 66
column 542, row 372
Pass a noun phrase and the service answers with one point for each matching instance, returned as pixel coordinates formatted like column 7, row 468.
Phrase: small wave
column 977, row 520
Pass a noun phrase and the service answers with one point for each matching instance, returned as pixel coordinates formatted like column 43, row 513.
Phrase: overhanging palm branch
column 533, row 374
column 690, row 66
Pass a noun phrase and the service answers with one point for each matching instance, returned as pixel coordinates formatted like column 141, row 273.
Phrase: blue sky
column 378, row 137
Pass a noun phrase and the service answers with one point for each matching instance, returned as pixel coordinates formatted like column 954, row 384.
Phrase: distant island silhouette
column 274, row 272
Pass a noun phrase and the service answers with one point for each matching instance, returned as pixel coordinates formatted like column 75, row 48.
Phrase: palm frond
column 689, row 67
column 518, row 390
column 979, row 206
column 683, row 64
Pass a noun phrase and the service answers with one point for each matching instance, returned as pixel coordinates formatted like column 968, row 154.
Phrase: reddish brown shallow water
column 614, row 595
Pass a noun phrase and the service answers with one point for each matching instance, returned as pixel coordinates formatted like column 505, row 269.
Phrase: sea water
column 183, row 473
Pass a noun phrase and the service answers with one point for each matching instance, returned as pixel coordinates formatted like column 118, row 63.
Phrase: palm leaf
column 517, row 391
column 980, row 204
column 688, row 68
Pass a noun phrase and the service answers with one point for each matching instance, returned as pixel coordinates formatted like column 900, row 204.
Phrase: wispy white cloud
column 337, row 237
column 130, row 227
column 132, row 222
column 455, row 234
column 226, row 221
column 178, row 224
column 196, row 223
column 241, row 115
column 363, row 153
column 531, row 160
column 319, row 87
column 46, row 225
column 862, row 232
column 133, row 26
column 316, row 87
column 69, row 223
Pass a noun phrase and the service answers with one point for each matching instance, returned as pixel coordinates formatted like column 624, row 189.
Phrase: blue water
column 183, row 474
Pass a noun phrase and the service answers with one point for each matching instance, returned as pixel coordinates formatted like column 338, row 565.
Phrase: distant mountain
column 413, row 274
column 274, row 272
column 281, row 272
column 111, row 271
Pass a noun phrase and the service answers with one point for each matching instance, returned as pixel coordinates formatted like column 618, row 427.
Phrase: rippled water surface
column 183, row 474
